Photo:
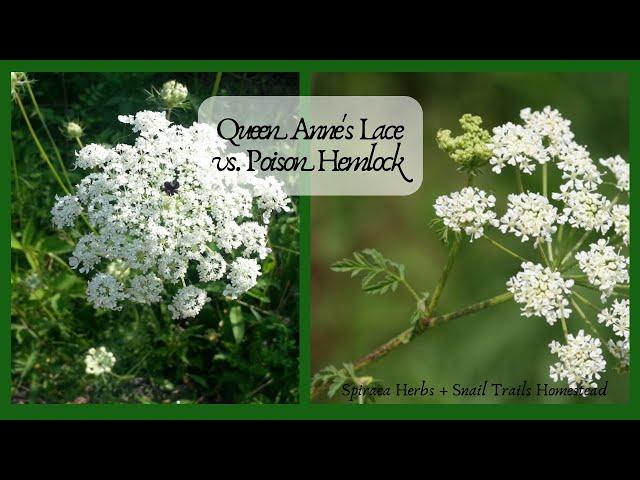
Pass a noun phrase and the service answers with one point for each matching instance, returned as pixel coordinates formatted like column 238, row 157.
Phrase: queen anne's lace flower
column 584, row 209
column 581, row 361
column 617, row 317
column 104, row 291
column 243, row 274
column 145, row 289
column 620, row 170
column 620, row 217
column 161, row 204
column 188, row 302
column 530, row 215
column 603, row 266
column 542, row 291
column 65, row 211
column 467, row 211
column 517, row 146
column 98, row 361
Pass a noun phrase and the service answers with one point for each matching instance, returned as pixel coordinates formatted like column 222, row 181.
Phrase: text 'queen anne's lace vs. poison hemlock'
column 161, row 204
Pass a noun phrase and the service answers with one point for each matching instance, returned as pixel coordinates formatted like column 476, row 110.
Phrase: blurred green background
column 495, row 344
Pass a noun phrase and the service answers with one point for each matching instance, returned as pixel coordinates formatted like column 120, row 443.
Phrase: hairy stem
column 408, row 335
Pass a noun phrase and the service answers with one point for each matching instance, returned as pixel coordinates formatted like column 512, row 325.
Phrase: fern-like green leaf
column 379, row 274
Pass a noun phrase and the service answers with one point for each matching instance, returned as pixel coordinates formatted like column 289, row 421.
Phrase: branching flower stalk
column 546, row 289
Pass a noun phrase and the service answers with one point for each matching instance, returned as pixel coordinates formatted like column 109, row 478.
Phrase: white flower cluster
column 581, row 361
column 584, row 209
column 604, row 267
column 188, row 302
column 617, row 317
column 65, row 211
column 530, row 215
column 98, row 361
column 173, row 93
column 620, row 217
column 467, row 211
column 161, row 203
column 544, row 135
column 542, row 292
column 620, row 170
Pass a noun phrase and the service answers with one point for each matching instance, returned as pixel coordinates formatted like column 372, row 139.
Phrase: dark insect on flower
column 170, row 188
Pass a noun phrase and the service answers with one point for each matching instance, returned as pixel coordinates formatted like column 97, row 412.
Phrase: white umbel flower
column 243, row 274
column 188, row 302
column 550, row 125
column 581, row 361
column 604, row 267
column 161, row 205
column 620, row 169
column 620, row 350
column 541, row 291
column 530, row 215
column 517, row 146
column 104, row 291
column 146, row 289
column 468, row 211
column 99, row 361
column 584, row 209
column 620, row 217
column 617, row 317
column 65, row 211
column 578, row 169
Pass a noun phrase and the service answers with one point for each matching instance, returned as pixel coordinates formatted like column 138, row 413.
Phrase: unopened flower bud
column 173, row 93
column 74, row 130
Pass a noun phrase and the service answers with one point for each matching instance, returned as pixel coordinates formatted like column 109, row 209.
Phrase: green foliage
column 333, row 379
column 379, row 273
column 244, row 351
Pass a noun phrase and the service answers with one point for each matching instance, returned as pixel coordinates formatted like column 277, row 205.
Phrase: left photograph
column 140, row 273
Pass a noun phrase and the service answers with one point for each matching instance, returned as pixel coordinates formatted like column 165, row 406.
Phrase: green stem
column 48, row 132
column 586, row 320
column 505, row 249
column 565, row 330
column 543, row 256
column 79, row 142
column 43, row 154
column 216, row 84
column 545, row 181
column 575, row 248
column 408, row 335
column 519, row 180
column 435, row 297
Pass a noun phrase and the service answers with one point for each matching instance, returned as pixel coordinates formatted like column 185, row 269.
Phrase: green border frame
column 304, row 410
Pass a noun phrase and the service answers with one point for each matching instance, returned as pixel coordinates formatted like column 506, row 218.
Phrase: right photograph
column 505, row 277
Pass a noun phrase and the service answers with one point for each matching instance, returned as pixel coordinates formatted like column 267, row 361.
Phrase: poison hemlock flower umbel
column 581, row 361
column 160, row 205
column 555, row 226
